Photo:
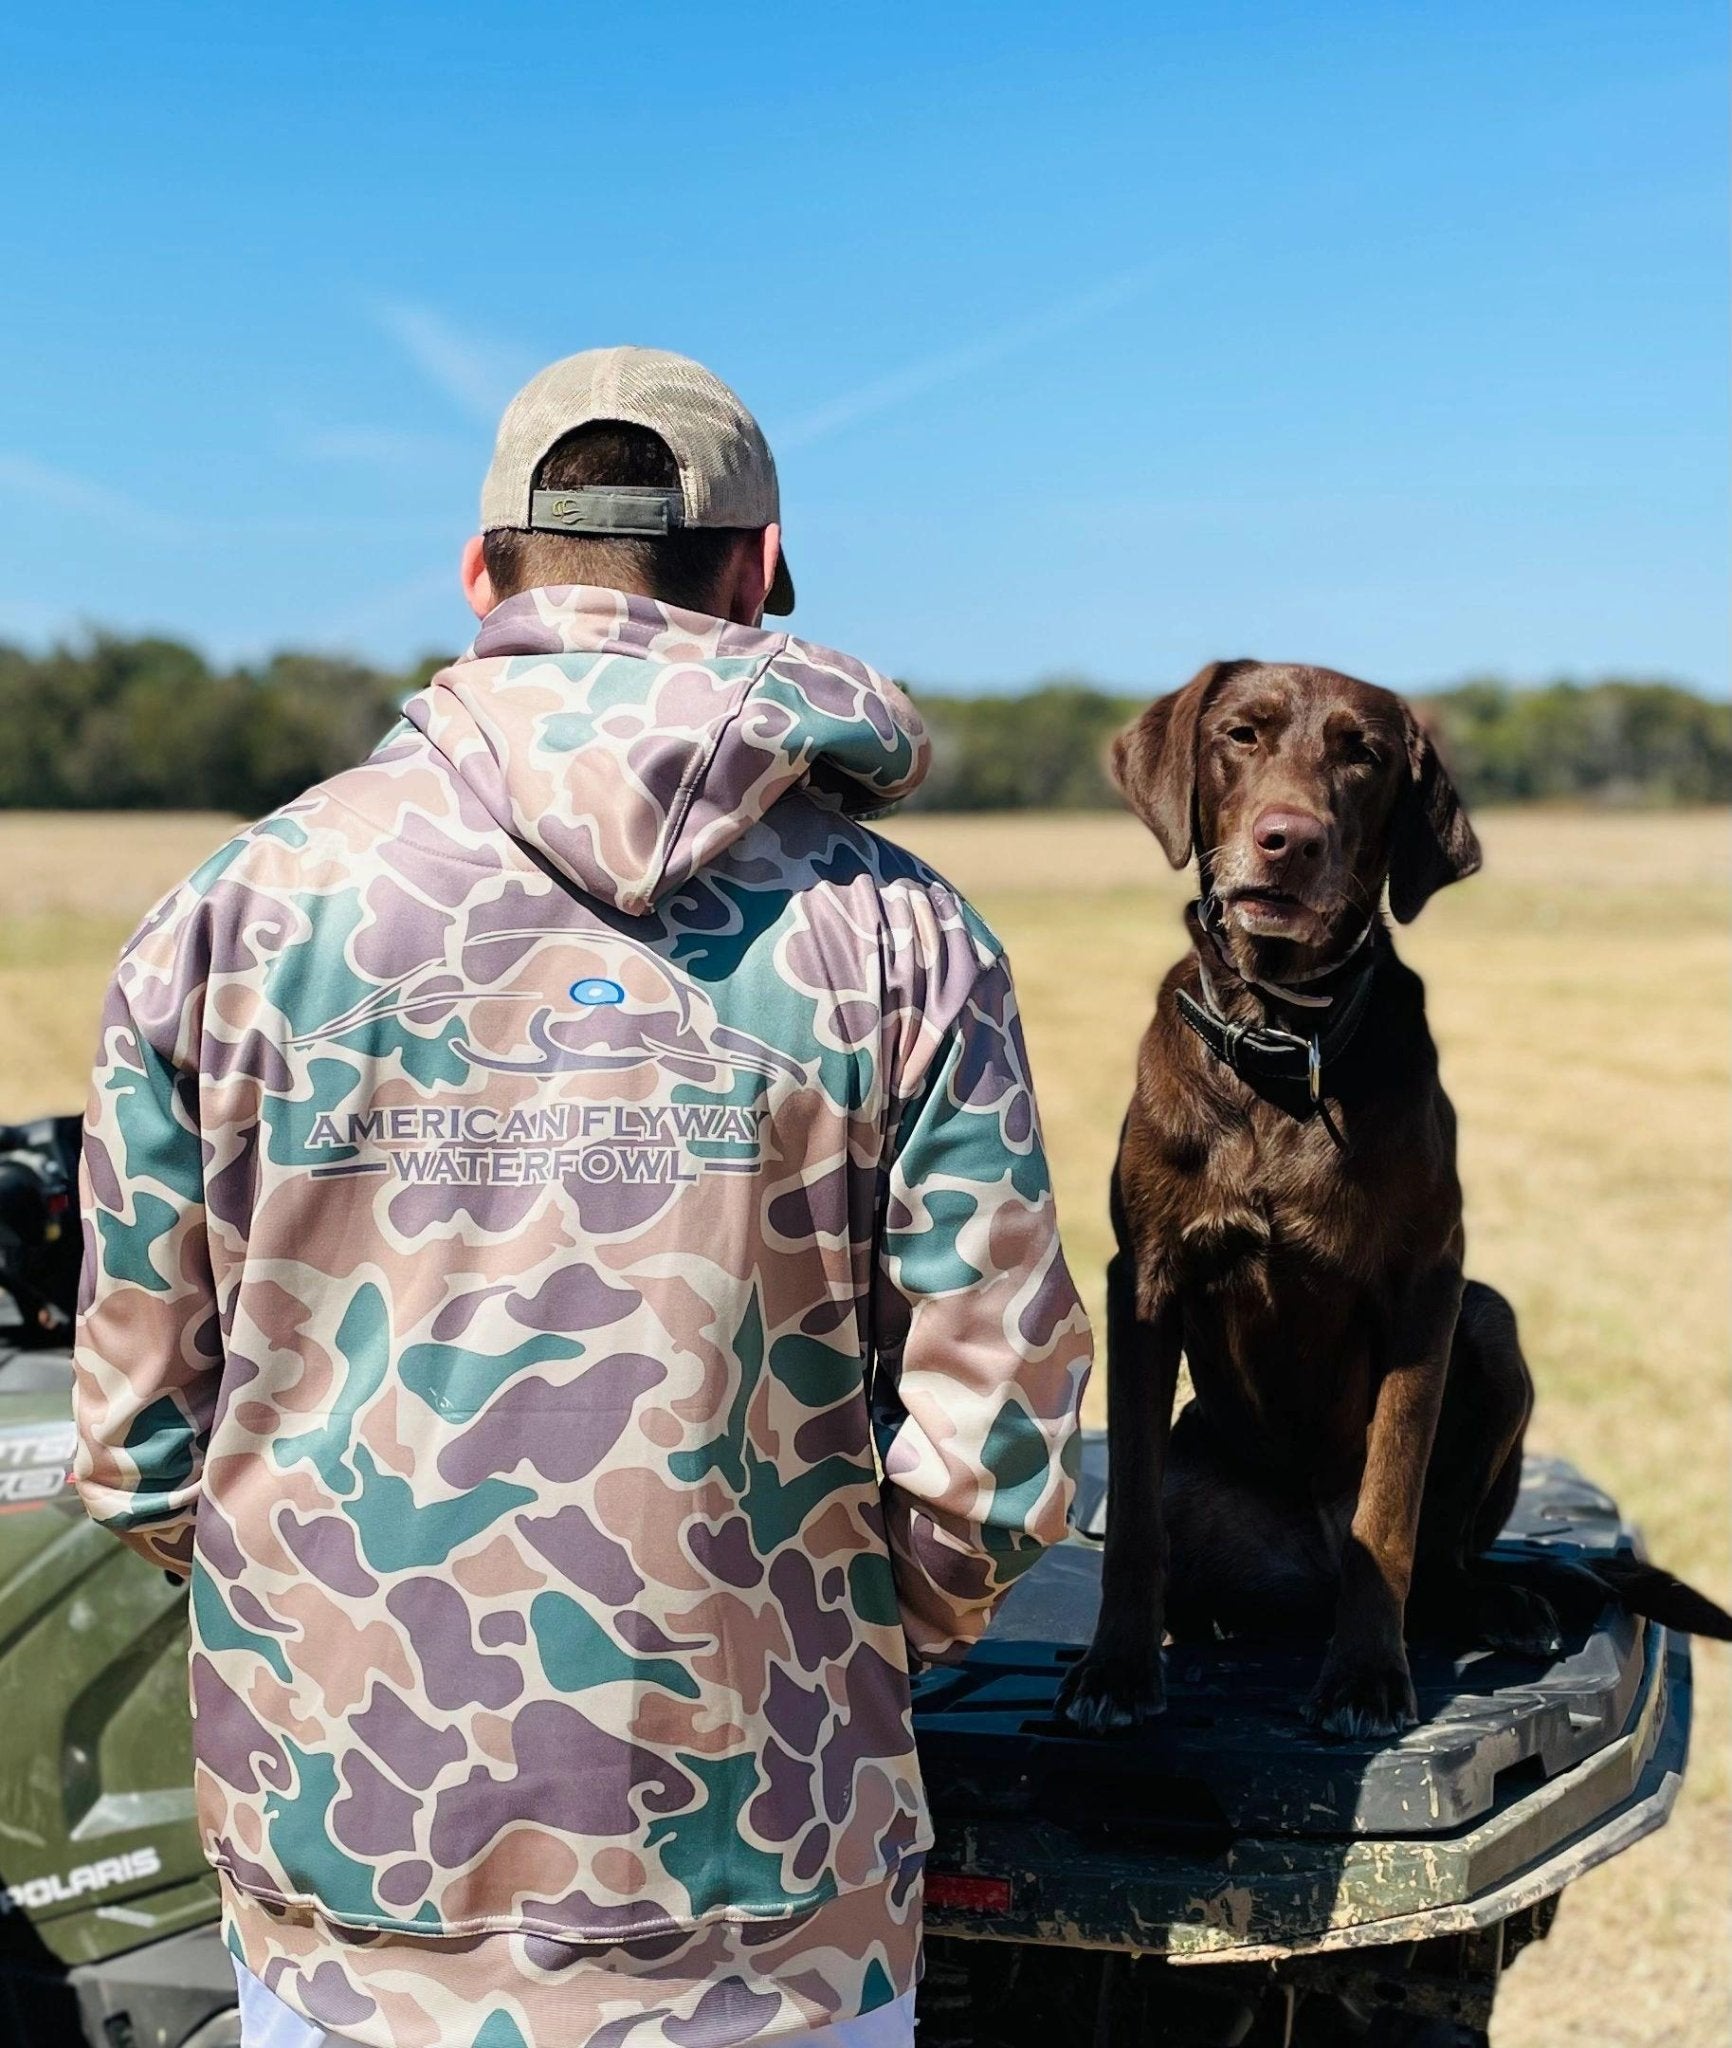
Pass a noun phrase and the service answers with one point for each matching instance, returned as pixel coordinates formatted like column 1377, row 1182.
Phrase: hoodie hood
column 630, row 742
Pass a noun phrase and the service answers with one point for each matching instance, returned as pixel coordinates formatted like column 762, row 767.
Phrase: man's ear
column 1433, row 844
column 749, row 576
column 472, row 573
column 1154, row 762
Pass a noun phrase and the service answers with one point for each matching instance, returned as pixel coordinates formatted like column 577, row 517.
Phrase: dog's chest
column 1276, row 1268
column 1275, row 1205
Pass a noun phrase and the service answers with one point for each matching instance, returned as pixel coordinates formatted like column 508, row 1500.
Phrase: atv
column 1226, row 1875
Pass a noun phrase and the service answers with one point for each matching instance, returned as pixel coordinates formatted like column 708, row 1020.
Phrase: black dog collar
column 1284, row 1067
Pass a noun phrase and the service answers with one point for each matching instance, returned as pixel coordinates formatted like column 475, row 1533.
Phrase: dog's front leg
column 1119, row 1684
column 1365, row 1687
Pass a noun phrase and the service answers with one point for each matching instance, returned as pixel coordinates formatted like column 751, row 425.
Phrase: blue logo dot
column 597, row 991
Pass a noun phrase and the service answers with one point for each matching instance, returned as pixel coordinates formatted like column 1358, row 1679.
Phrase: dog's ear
column 1154, row 762
column 1433, row 842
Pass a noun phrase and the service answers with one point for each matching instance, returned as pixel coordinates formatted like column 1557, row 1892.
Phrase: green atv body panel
column 99, row 1850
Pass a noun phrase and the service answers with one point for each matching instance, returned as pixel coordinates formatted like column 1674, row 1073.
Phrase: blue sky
column 1102, row 339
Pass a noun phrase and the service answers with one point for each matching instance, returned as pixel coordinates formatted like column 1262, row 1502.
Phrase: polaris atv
column 1225, row 1876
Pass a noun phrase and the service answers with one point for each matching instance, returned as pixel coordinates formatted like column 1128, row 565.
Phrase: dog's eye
column 1356, row 750
column 1243, row 735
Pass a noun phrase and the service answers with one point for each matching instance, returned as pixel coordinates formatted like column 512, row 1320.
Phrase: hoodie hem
column 860, row 1951
column 517, row 1922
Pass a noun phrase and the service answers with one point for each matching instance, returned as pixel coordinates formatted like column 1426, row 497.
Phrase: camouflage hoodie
column 572, row 1275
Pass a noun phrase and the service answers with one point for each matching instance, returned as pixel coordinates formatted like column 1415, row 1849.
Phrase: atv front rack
column 1228, row 1832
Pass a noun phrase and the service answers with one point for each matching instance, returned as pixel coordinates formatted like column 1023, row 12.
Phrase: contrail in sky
column 42, row 484
column 882, row 393
column 477, row 374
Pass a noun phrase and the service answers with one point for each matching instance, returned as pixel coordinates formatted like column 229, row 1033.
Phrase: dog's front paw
column 1362, row 1697
column 1112, row 1689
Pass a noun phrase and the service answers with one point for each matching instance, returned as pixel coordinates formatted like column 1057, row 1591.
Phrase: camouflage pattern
column 572, row 1274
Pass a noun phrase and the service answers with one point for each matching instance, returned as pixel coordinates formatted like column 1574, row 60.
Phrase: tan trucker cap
column 727, row 473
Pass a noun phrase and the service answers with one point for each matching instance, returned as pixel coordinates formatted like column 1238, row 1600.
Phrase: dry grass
column 73, row 886
column 1581, row 990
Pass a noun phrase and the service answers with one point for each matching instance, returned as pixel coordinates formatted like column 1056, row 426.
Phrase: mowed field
column 1581, row 990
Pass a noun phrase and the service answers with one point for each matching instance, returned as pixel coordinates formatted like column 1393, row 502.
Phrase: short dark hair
column 682, row 568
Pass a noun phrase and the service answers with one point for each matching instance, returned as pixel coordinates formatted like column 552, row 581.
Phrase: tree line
column 146, row 724
column 1614, row 741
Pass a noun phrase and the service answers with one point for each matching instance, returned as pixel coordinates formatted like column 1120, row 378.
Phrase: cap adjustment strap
column 606, row 509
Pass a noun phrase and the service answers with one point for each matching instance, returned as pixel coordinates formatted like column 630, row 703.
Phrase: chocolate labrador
column 1288, row 1217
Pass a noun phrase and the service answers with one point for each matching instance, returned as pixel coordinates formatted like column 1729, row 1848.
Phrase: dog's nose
column 1290, row 835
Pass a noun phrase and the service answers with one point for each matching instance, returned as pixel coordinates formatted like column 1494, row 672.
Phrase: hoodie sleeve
column 983, row 1347
column 148, row 1356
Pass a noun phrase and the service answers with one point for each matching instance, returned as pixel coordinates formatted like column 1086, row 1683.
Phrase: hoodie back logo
column 656, row 1136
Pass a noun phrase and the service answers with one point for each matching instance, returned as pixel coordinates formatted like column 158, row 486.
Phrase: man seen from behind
column 572, row 1280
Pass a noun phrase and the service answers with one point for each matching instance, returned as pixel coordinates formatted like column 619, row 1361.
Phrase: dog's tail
column 1655, row 1594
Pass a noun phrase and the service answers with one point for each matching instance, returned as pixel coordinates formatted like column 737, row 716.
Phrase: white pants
column 266, row 2022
